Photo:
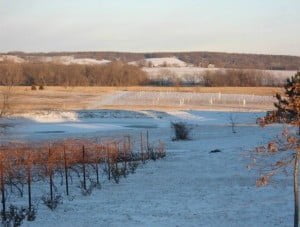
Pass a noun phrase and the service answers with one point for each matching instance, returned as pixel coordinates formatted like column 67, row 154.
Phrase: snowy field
column 190, row 187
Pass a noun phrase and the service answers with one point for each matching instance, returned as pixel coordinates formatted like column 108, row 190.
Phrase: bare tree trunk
column 296, row 190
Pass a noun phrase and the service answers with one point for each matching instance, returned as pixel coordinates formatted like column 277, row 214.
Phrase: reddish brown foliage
column 272, row 147
column 262, row 181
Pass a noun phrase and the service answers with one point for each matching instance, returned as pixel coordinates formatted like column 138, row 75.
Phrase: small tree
column 288, row 146
column 5, row 105
column 287, row 107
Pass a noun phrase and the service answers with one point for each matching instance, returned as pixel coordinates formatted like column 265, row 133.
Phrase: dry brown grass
column 99, row 90
column 74, row 98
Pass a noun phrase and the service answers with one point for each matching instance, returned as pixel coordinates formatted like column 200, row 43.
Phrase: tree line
column 50, row 74
column 121, row 74
column 217, row 78
column 239, row 78
column 219, row 59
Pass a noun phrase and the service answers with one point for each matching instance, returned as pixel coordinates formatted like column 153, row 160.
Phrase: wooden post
column 142, row 148
column 108, row 163
column 3, row 192
column 129, row 148
column 50, row 176
column 83, row 167
column 129, row 144
column 29, row 187
column 125, row 156
column 97, row 174
column 148, row 146
column 147, row 140
column 66, row 171
column 116, row 161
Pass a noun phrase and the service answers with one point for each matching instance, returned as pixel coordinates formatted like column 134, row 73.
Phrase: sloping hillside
column 220, row 60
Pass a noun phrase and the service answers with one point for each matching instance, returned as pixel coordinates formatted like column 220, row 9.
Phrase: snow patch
column 184, row 115
column 12, row 58
column 68, row 60
column 156, row 62
column 50, row 116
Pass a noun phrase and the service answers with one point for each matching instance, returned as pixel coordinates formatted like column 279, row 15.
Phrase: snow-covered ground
column 190, row 187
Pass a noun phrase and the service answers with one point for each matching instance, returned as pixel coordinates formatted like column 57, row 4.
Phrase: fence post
column 3, row 191
column 83, row 167
column 108, row 162
column 29, row 186
column 142, row 148
column 66, row 171
column 50, row 175
column 125, row 154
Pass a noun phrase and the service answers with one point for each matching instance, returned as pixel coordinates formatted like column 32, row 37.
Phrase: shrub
column 15, row 215
column 33, row 88
column 89, row 190
column 181, row 131
column 133, row 166
column 31, row 214
column 52, row 203
column 41, row 87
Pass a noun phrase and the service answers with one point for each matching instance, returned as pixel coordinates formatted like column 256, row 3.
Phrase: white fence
column 148, row 98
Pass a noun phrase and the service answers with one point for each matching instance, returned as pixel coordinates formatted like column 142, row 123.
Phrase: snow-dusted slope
column 88, row 61
column 190, row 187
column 156, row 62
column 11, row 58
column 67, row 60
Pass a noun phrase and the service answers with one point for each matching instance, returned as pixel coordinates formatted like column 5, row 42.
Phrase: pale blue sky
column 252, row 26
